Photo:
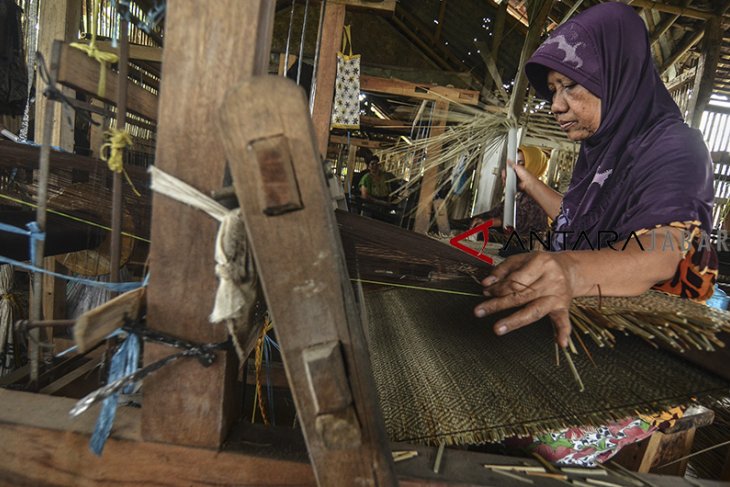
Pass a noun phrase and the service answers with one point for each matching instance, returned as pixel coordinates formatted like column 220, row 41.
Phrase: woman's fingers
column 526, row 316
column 561, row 320
column 509, row 265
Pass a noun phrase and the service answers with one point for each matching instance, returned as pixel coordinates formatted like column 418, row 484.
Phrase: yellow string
column 447, row 291
column 102, row 57
column 112, row 153
column 259, row 362
column 71, row 217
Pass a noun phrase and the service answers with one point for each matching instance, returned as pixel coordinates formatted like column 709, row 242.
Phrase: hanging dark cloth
column 13, row 70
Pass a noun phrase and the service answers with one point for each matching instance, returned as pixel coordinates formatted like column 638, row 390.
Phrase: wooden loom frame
column 189, row 410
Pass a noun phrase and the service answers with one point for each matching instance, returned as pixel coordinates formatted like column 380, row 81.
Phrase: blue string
column 118, row 287
column 35, row 236
column 34, row 232
column 124, row 362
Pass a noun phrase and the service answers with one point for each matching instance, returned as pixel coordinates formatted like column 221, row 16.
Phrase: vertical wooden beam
column 334, row 21
column 187, row 403
column 496, row 42
column 269, row 139
column 706, row 69
column 439, row 25
column 428, row 186
column 57, row 20
column 533, row 38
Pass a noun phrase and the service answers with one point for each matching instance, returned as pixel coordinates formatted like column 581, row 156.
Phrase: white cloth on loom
column 237, row 288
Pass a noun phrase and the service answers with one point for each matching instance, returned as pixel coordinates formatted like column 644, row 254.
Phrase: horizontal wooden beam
column 136, row 51
column 396, row 87
column 370, row 144
column 378, row 5
column 80, row 72
column 43, row 446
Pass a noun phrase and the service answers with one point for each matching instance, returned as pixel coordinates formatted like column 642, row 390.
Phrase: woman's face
column 577, row 110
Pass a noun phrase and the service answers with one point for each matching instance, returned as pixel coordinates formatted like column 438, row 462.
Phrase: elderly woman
column 641, row 185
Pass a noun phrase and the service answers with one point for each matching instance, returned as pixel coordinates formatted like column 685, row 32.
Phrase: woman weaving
column 640, row 168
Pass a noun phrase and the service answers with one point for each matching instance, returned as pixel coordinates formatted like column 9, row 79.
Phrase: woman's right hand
column 525, row 179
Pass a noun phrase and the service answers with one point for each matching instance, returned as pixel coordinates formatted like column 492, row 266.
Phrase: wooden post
column 57, row 20
column 705, row 74
column 428, row 185
column 533, row 37
column 117, row 208
column 334, row 20
column 292, row 231
column 187, row 403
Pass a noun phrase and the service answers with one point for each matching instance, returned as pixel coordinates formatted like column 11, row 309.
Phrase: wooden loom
column 176, row 439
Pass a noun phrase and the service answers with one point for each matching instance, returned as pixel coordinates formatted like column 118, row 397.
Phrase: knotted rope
column 112, row 152
column 103, row 57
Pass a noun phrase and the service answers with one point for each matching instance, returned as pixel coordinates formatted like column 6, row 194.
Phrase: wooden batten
column 137, row 52
column 422, row 91
column 370, row 144
column 80, row 72
column 94, row 325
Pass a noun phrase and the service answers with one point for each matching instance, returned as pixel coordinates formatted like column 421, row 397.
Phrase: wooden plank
column 331, row 43
column 57, row 20
column 428, row 186
column 301, row 266
column 81, row 72
column 136, row 51
column 370, row 144
column 187, row 403
column 43, row 447
column 396, row 87
column 706, row 72
column 378, row 6
column 94, row 325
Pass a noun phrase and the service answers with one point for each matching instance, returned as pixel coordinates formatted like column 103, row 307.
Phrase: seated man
column 375, row 192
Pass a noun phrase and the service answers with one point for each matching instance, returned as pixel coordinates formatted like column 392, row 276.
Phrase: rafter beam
column 531, row 41
column 422, row 91
column 689, row 43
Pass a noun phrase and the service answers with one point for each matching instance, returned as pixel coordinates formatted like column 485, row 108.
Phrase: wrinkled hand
column 541, row 282
column 524, row 177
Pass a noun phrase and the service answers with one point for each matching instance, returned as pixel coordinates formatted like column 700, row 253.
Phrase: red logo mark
column 484, row 230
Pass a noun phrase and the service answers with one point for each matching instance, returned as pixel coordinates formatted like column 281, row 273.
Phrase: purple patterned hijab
column 643, row 167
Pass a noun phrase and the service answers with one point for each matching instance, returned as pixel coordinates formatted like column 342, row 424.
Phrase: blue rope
column 119, row 287
column 124, row 362
column 34, row 232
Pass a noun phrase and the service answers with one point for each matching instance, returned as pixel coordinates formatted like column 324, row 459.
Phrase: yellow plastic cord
column 419, row 288
column 259, row 358
column 112, row 153
column 92, row 51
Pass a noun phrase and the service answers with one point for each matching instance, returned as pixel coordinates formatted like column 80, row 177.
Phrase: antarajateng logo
column 657, row 239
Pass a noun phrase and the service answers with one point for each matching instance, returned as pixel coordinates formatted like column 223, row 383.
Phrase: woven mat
column 444, row 377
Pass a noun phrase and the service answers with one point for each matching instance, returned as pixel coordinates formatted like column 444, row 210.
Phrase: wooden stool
column 665, row 445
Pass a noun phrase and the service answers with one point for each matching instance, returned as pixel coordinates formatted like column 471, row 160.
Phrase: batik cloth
column 346, row 107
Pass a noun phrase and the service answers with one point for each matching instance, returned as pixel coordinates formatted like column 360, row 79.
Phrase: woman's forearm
column 545, row 196
column 627, row 271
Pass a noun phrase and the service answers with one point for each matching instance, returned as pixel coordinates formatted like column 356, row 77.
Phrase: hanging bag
column 346, row 108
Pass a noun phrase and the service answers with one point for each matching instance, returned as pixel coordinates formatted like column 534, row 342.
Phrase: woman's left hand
column 543, row 283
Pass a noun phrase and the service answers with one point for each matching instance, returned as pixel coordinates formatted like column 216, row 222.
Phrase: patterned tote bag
column 346, row 109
